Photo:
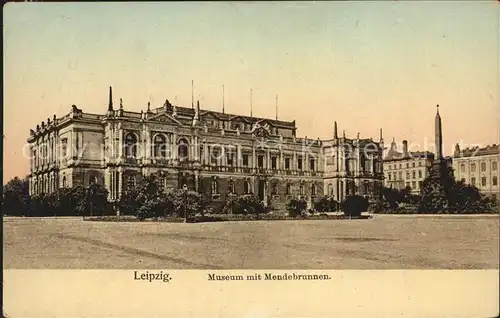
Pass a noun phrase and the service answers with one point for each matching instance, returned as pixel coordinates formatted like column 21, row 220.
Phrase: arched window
column 183, row 150
column 313, row 189
column 274, row 188
column 330, row 189
column 130, row 182
column 247, row 187
column 231, row 186
column 160, row 146
column 131, row 145
column 301, row 189
column 64, row 182
column 215, row 187
column 92, row 180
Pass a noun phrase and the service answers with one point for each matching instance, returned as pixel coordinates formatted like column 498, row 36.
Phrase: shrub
column 245, row 204
column 354, row 205
column 326, row 204
column 183, row 202
column 296, row 207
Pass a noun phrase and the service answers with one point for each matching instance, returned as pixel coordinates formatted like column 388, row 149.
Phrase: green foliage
column 354, row 205
column 244, row 204
column 451, row 196
column 16, row 198
column 326, row 204
column 94, row 200
column 296, row 207
column 183, row 203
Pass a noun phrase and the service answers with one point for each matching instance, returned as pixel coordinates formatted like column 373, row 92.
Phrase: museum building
column 214, row 153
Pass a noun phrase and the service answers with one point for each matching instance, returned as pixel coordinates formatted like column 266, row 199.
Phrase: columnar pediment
column 166, row 119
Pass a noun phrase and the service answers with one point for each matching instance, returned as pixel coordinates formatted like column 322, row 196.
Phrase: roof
column 477, row 151
column 393, row 155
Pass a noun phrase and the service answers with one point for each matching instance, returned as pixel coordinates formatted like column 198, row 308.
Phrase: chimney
column 405, row 148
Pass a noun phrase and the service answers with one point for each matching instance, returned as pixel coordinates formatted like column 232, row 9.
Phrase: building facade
column 479, row 167
column 407, row 168
column 213, row 153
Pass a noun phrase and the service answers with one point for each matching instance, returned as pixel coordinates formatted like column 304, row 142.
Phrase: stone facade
column 479, row 167
column 211, row 152
column 406, row 168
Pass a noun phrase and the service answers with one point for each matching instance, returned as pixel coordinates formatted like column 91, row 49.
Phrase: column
column 254, row 159
column 238, row 156
column 174, row 148
column 281, row 164
column 120, row 142
column 120, row 183
column 223, row 161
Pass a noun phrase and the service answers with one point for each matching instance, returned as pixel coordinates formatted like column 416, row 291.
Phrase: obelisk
column 434, row 189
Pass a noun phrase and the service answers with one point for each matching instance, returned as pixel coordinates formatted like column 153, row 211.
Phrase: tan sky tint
column 368, row 65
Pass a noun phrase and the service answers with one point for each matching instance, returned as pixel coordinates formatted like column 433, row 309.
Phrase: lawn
column 384, row 242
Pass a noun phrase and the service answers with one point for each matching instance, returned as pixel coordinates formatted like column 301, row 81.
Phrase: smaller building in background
column 406, row 168
column 479, row 167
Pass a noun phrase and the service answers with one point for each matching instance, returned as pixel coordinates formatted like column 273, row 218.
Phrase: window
column 330, row 189
column 389, row 177
column 420, row 174
column 414, row 184
column 260, row 161
column 413, row 164
column 420, row 184
column 462, row 167
column 414, row 174
column 473, row 181
column 483, row 181
column 215, row 187
column 494, row 181
column 245, row 160
column 214, row 158
column 313, row 189
column 301, row 189
column 231, row 186
column 472, row 167
column 494, row 166
column 131, row 145
column 229, row 158
column 400, row 166
column 63, row 182
column 299, row 163
column 246, row 187
column 400, row 175
column 408, row 184
column 287, row 188
column 312, row 164
column 183, row 150
column 408, row 176
column 274, row 189
column 407, row 165
column 420, row 163
column 92, row 180
column 483, row 166
column 273, row 162
column 161, row 184
column 130, row 182
column 463, row 180
column 287, row 163
column 64, row 147
column 160, row 146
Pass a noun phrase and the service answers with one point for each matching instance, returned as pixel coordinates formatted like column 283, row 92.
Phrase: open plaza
column 382, row 242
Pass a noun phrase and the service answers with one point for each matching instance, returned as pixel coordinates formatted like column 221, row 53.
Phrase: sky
column 366, row 65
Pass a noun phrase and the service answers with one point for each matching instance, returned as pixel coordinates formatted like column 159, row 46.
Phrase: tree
column 326, row 204
column 245, row 204
column 16, row 198
column 354, row 205
column 296, row 207
column 94, row 201
column 184, row 203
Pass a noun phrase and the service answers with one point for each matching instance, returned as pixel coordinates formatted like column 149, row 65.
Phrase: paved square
column 384, row 242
